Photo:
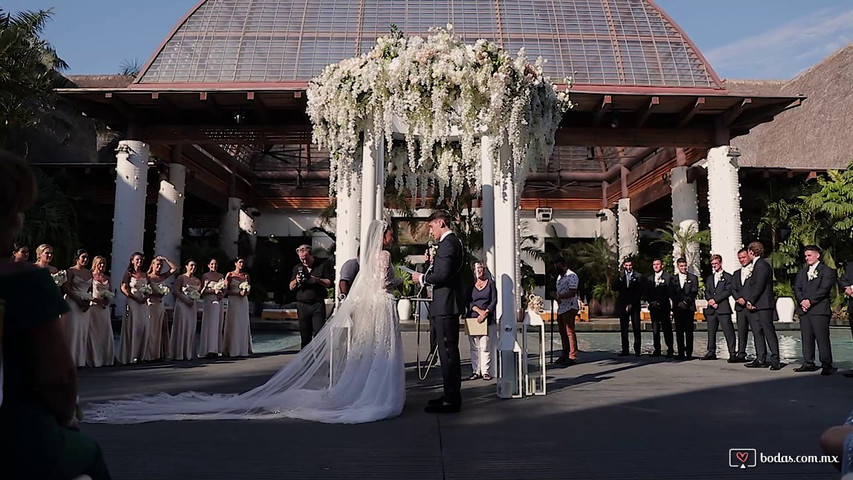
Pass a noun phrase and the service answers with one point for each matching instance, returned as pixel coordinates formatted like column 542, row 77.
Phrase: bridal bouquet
column 191, row 293
column 245, row 288
column 106, row 295
column 85, row 296
column 162, row 290
column 218, row 286
column 59, row 278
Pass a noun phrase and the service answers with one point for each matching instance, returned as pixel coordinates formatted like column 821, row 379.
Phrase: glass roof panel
column 599, row 42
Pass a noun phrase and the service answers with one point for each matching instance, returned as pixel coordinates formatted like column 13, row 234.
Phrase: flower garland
column 439, row 94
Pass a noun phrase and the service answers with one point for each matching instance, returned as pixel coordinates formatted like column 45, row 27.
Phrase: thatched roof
column 814, row 136
column 101, row 81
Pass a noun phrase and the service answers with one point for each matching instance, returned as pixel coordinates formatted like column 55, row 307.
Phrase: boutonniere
column 812, row 275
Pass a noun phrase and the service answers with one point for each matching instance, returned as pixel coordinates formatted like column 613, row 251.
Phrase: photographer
column 311, row 281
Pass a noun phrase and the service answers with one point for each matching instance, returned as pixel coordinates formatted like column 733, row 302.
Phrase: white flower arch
column 439, row 95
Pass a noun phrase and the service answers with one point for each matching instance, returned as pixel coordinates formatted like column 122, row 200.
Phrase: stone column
column 506, row 276
column 724, row 205
column 229, row 230
column 347, row 223
column 170, row 219
column 608, row 229
column 129, row 214
column 246, row 223
column 685, row 216
column 372, row 182
column 628, row 236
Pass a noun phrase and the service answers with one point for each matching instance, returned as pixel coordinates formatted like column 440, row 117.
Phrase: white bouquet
column 162, row 290
column 218, row 286
column 145, row 290
column 245, row 288
column 191, row 293
column 59, row 278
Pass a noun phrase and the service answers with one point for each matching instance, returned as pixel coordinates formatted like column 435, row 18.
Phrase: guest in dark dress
column 38, row 428
column 484, row 300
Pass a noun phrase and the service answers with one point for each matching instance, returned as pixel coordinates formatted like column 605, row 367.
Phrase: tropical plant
column 684, row 241
column 28, row 70
column 598, row 261
column 52, row 219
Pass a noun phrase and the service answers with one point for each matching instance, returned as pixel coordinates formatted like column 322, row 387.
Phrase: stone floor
column 608, row 417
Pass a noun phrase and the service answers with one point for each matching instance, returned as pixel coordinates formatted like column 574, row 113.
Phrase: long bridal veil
column 351, row 372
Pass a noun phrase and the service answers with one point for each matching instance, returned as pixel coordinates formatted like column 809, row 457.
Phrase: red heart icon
column 742, row 456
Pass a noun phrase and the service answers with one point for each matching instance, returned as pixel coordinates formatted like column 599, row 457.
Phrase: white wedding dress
column 351, row 372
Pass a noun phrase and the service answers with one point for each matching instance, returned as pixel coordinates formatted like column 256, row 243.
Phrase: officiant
column 311, row 281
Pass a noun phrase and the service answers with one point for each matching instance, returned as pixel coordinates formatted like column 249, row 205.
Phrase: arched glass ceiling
column 599, row 42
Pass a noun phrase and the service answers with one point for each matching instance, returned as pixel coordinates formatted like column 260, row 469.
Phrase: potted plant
column 598, row 261
column 603, row 300
column 785, row 304
column 403, row 292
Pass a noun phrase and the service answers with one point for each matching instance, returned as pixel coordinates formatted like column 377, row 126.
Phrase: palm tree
column 686, row 241
column 28, row 70
column 52, row 219
column 600, row 262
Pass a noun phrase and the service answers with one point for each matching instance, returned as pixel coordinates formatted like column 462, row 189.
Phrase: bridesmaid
column 210, row 344
column 158, row 328
column 187, row 290
column 101, row 346
column 77, row 293
column 44, row 255
column 20, row 252
column 237, row 340
column 134, row 326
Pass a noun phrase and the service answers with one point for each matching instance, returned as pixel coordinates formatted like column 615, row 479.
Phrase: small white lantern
column 510, row 366
column 533, row 342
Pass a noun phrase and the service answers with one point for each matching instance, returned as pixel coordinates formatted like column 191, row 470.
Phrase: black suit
column 846, row 281
column 445, row 309
column 758, row 291
column 740, row 313
column 657, row 294
column 630, row 293
column 683, row 311
column 814, row 322
column 722, row 314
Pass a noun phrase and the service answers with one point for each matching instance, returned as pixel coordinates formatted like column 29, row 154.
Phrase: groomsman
column 683, row 290
column 657, row 294
column 740, row 308
column 629, row 285
column 847, row 287
column 760, row 303
column 812, row 288
column 718, row 289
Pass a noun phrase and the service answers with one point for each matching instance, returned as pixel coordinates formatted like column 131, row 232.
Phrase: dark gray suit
column 758, row 291
column 630, row 293
column 814, row 322
column 660, row 308
column 740, row 314
column 448, row 304
column 721, row 315
column 846, row 281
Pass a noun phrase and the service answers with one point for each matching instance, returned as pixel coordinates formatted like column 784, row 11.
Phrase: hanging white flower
column 441, row 95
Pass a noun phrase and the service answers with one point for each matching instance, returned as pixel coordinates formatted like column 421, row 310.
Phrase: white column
column 628, row 236
column 229, row 230
column 170, row 218
column 506, row 277
column 608, row 228
column 487, row 179
column 724, row 205
column 685, row 215
column 246, row 223
column 372, row 181
column 347, row 223
column 129, row 215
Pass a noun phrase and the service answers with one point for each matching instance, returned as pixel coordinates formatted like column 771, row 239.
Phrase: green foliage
column 407, row 288
column 52, row 220
column 597, row 260
column 783, row 289
column 681, row 239
column 528, row 280
column 602, row 291
column 28, row 70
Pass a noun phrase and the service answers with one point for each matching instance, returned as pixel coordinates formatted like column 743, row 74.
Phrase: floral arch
column 438, row 113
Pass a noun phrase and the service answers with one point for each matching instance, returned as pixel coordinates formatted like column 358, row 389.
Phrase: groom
column 446, row 307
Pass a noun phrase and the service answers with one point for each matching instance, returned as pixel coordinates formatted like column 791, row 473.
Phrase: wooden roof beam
column 258, row 106
column 730, row 116
column 606, row 104
column 691, row 112
column 644, row 114
column 122, row 106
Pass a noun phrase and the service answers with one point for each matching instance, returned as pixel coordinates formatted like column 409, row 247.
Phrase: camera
column 302, row 277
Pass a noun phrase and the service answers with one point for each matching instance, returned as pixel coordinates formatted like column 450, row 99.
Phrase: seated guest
column 38, row 428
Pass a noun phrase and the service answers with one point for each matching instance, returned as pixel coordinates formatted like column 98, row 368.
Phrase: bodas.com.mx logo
column 742, row 457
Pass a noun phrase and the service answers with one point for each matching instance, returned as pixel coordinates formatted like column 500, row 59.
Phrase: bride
column 351, row 372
